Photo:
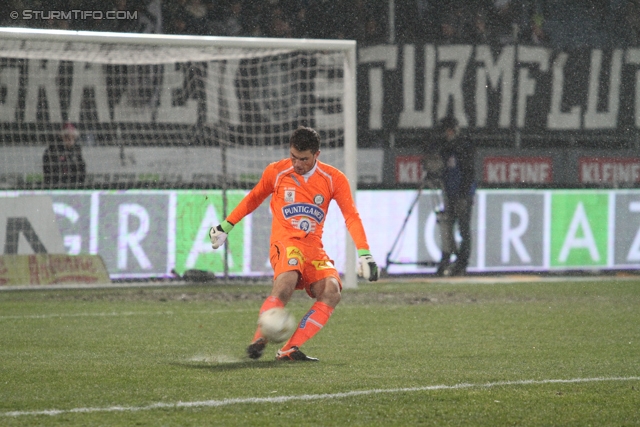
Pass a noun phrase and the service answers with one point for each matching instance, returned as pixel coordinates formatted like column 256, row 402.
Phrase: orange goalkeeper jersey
column 299, row 205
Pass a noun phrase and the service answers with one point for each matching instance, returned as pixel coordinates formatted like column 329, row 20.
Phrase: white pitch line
column 117, row 314
column 281, row 399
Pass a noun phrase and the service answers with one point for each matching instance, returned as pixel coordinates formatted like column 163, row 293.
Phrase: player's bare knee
column 328, row 291
column 284, row 285
column 330, row 298
column 334, row 297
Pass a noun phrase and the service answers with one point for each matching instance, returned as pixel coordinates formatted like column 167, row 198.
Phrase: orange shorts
column 310, row 261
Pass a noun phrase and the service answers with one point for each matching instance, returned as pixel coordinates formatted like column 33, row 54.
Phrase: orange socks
column 270, row 302
column 311, row 323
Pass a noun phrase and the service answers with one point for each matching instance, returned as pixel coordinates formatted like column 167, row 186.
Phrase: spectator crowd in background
column 563, row 24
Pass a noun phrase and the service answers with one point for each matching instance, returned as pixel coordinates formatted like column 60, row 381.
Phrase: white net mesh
column 157, row 113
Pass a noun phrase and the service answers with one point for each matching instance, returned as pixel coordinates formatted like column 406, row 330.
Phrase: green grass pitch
column 412, row 352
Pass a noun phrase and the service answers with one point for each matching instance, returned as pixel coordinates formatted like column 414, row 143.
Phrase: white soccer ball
column 276, row 324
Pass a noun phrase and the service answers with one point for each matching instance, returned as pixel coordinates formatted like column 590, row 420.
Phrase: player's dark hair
column 304, row 138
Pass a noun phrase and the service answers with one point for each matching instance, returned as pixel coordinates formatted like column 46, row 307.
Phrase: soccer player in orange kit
column 301, row 188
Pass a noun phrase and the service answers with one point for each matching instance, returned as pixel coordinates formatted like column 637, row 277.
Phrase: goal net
column 144, row 107
column 153, row 111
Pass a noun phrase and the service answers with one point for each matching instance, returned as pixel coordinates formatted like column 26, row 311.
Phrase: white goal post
column 173, row 96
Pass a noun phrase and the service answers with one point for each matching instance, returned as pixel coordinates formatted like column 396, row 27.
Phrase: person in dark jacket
column 458, row 189
column 62, row 162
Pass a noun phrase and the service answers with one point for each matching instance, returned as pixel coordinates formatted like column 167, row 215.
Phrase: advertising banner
column 626, row 229
column 52, row 269
column 512, row 237
column 409, row 169
column 195, row 214
column 133, row 232
column 154, row 233
column 28, row 225
column 516, row 169
column 580, row 229
column 609, row 170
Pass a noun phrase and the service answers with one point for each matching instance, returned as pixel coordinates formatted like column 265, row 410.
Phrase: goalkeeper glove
column 218, row 234
column 367, row 267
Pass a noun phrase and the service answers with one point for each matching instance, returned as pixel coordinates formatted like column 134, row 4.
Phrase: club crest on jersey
column 303, row 209
column 289, row 196
column 304, row 224
column 318, row 199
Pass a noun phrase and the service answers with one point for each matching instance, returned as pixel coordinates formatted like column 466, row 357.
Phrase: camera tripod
column 432, row 184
